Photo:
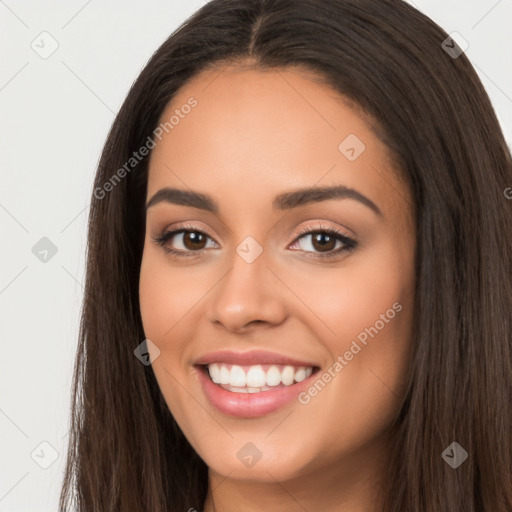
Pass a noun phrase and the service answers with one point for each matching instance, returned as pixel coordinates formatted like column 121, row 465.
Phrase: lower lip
column 249, row 405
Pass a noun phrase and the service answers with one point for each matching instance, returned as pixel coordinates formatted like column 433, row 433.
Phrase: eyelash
column 349, row 243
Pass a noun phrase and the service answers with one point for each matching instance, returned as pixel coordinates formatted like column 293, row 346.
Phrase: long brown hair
column 126, row 452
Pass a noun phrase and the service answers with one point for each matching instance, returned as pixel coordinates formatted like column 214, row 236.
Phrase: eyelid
column 349, row 242
column 348, row 233
column 312, row 229
column 185, row 226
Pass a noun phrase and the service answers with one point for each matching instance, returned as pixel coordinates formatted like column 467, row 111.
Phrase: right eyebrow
column 285, row 201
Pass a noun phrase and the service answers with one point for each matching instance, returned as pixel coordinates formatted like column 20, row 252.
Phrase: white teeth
column 237, row 377
column 273, row 376
column 224, row 375
column 254, row 379
column 214, row 372
column 288, row 375
column 300, row 374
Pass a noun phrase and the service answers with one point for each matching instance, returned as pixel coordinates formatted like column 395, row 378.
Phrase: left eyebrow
column 303, row 196
column 285, row 201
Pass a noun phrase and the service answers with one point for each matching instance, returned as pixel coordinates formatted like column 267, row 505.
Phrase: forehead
column 255, row 133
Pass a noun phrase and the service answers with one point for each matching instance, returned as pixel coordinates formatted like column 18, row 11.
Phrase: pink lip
column 250, row 358
column 249, row 405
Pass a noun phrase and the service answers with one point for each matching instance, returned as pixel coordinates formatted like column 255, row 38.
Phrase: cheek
column 154, row 300
column 167, row 294
column 366, row 293
column 170, row 298
column 367, row 307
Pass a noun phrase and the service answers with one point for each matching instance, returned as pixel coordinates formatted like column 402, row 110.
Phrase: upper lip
column 252, row 357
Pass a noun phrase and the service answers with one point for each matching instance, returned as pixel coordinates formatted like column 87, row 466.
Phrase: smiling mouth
column 256, row 378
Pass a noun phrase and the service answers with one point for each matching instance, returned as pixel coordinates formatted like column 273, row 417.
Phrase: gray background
column 55, row 113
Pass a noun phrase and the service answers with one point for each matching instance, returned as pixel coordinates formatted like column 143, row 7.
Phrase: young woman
column 299, row 291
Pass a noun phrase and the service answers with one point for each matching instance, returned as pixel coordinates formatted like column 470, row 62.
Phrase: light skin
column 253, row 136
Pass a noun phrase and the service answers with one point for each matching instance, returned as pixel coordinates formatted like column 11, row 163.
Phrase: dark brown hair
column 126, row 452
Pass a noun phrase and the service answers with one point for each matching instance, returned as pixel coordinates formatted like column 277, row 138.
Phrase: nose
column 248, row 294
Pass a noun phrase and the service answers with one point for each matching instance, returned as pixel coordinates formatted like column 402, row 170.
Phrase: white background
column 54, row 117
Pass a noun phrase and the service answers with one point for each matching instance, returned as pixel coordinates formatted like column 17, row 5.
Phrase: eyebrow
column 285, row 201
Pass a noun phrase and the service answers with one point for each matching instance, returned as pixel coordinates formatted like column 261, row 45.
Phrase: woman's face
column 311, row 330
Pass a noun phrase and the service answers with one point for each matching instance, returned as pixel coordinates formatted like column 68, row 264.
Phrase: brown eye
column 193, row 240
column 323, row 242
column 189, row 241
